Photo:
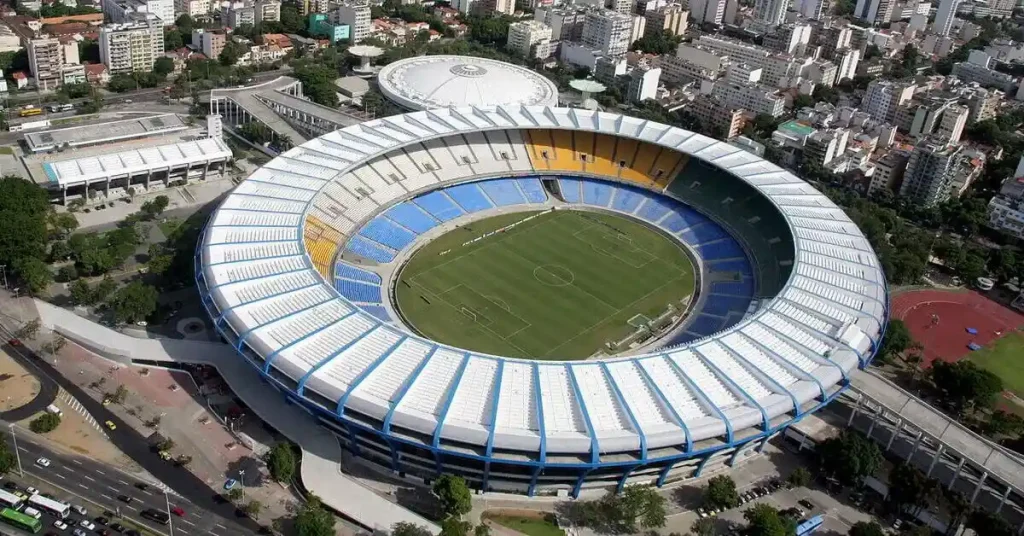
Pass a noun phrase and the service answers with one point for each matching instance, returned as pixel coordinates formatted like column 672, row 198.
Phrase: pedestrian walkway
column 77, row 407
column 320, row 470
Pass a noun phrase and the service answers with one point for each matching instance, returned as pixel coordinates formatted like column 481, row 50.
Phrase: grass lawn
column 6, row 150
column 555, row 287
column 531, row 526
column 168, row 226
column 1004, row 358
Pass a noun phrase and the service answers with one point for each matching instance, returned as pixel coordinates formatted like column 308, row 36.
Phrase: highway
column 98, row 487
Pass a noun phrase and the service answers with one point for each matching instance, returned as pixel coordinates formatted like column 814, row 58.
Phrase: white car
column 43, row 462
column 29, row 511
column 60, row 525
column 80, row 510
column 87, row 525
column 32, row 491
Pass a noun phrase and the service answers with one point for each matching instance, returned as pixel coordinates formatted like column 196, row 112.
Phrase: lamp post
column 241, row 480
column 17, row 454
column 170, row 522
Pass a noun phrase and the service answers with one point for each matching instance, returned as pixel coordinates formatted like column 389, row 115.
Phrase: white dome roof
column 427, row 82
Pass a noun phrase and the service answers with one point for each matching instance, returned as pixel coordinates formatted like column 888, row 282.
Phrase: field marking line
column 573, row 284
column 647, row 227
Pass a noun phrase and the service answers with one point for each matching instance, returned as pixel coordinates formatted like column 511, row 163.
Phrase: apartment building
column 131, row 47
column 530, row 39
column 123, row 11
column 643, row 83
column 757, row 98
column 951, row 128
column 770, row 12
column 607, row 32
column 883, row 97
column 210, row 43
column 982, row 103
column 192, row 8
column 356, row 14
column 716, row 117
column 931, row 170
column 566, row 23
column 982, row 75
column 889, row 170
column 47, row 58
column 670, row 19
column 709, row 11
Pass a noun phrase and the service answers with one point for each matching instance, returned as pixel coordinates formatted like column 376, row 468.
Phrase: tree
column 55, row 345
column 65, row 223
column 173, row 39
column 163, row 66
column 230, row 54
column 764, row 520
column 133, row 303
column 721, row 493
column 956, row 505
column 165, row 444
column 800, row 477
column 67, row 273
column 409, row 529
column 119, row 395
column 849, row 457
column 481, row 530
column 1002, row 423
column 453, row 526
column 897, row 339
column 965, row 386
column 35, row 273
column 29, row 330
column 105, row 287
column 454, row 495
column 988, row 524
column 803, row 101
column 252, row 509
column 910, row 490
column 234, row 494
column 281, row 462
column 44, row 423
column 865, row 528
column 8, row 460
column 641, row 505
column 313, row 520
column 156, row 206
column 183, row 460
column 23, row 210
column 704, row 526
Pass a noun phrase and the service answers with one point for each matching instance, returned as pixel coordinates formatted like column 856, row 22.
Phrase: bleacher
column 383, row 231
column 412, row 217
column 370, row 250
column 439, row 205
column 469, row 197
column 503, row 192
column 533, row 190
column 358, row 292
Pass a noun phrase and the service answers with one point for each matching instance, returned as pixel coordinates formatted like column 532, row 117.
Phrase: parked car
column 806, row 504
column 79, row 509
column 178, row 511
column 230, row 483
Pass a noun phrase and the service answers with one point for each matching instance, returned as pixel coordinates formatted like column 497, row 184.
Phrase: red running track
column 957, row 311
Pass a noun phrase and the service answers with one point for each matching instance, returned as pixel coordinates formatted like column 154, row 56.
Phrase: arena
column 297, row 269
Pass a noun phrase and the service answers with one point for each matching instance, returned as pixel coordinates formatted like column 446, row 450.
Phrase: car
column 103, row 532
column 127, row 101
column 142, row 485
column 14, row 342
column 230, row 483
column 897, row 524
column 806, row 504
column 80, row 510
column 43, row 462
column 60, row 525
column 79, row 532
column 178, row 511
column 21, row 495
column 87, row 525
column 125, row 499
column 117, row 527
column 701, row 512
column 29, row 511
column 32, row 491
column 111, row 425
column 101, row 520
column 10, row 486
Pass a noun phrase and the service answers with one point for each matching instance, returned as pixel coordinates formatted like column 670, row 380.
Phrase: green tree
column 173, row 39
column 8, row 461
column 281, row 462
column 803, row 101
column 657, row 43
column 234, row 494
column 163, row 66
column 897, row 339
column 720, row 492
column 481, row 530
column 35, row 273
column 133, row 302
column 409, row 529
column 23, row 210
column 641, row 505
column 965, row 386
column 29, row 330
column 1002, row 423
column 45, row 423
column 453, row 494
column 800, row 477
column 988, row 524
column 252, row 508
column 764, row 520
column 64, row 223
column 313, row 519
column 910, row 490
column 453, row 526
column 230, row 54
column 849, row 457
column 865, row 528
column 103, row 289
column 704, row 526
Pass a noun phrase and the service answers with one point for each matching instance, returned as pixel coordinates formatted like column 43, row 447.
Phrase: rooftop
column 79, row 170
column 83, row 135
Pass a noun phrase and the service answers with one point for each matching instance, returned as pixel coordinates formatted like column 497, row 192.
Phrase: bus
column 21, row 521
column 809, row 526
column 30, row 112
column 60, row 509
column 10, row 500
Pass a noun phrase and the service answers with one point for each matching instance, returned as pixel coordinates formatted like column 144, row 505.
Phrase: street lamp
column 241, row 480
column 170, row 522
column 17, row 454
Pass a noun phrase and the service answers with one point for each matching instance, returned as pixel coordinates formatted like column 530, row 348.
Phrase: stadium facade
column 270, row 270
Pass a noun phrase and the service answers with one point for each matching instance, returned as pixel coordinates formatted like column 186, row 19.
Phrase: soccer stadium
column 413, row 281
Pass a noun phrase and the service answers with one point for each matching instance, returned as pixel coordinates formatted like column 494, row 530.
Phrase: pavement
column 47, row 386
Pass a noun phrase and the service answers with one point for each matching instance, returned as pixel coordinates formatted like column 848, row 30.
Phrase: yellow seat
column 602, row 161
column 321, row 242
column 667, row 164
column 539, row 144
column 565, row 157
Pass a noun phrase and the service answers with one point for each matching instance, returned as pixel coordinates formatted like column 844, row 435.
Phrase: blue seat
column 674, row 222
column 705, row 325
column 469, row 197
column 702, row 234
column 383, row 231
column 358, row 292
column 724, row 305
column 503, row 192
column 570, row 190
column 626, row 199
column 377, row 311
column 533, row 189
column 596, row 193
column 743, row 287
column 351, row 272
column 723, row 249
column 656, row 208
column 411, row 217
column 365, row 248
column 738, row 265
column 439, row 206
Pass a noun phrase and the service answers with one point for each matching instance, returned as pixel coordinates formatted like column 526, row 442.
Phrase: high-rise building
column 566, row 22
column 847, row 60
column 874, row 11
column 670, row 19
column 267, row 10
column 884, row 96
column 620, row 6
column 210, row 43
column 46, row 57
column 492, row 7
column 131, row 47
column 607, row 31
column 355, row 13
column 930, row 172
column 707, row 11
column 771, row 12
column 813, row 9
column 944, row 16
column 120, row 11
column 982, row 104
column 954, row 119
column 192, row 8
column 530, row 39
column 643, row 83
column 314, row 6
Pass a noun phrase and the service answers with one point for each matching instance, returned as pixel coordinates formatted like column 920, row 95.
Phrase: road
column 99, row 487
column 47, row 387
column 136, row 447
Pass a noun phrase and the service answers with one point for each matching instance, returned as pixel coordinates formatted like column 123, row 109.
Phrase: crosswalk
column 77, row 407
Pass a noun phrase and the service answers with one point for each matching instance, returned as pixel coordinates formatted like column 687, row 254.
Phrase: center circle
column 468, row 71
column 554, row 275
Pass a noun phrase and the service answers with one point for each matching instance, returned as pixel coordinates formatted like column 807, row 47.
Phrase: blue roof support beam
column 386, row 426
column 302, row 382
column 764, row 378
column 449, row 397
column 663, row 401
column 798, row 343
column 702, row 396
column 785, row 363
column 595, row 448
column 273, row 355
column 540, row 414
column 629, row 411
column 366, row 372
column 735, row 388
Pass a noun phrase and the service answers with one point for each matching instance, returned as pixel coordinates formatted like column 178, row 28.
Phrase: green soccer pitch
column 555, row 287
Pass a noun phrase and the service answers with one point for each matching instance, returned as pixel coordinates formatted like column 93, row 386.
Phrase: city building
column 131, row 47
column 314, row 6
column 1006, row 210
column 823, row 146
column 607, row 69
column 319, row 24
column 944, row 16
column 566, row 23
column 355, row 14
column 620, row 6
column 267, row 11
column 530, row 39
column 823, row 72
column 671, row 19
column 757, row 98
column 192, row 8
column 770, row 12
column 876, row 12
column 707, row 11
column 643, row 83
column 607, row 32
column 9, row 41
column 122, row 11
column 847, row 60
column 930, row 173
column 883, row 97
column 792, row 38
column 717, row 118
column 982, row 103
column 494, row 7
column 47, row 57
column 951, row 128
column 889, row 171
column 210, row 43
column 977, row 69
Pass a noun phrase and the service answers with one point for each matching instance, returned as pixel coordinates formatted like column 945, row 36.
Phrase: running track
column 957, row 311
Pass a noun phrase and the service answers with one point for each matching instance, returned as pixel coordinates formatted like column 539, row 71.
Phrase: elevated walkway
column 320, row 472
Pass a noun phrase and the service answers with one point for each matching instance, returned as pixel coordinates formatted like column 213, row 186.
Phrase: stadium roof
column 427, row 82
column 83, row 135
column 81, row 170
column 797, row 348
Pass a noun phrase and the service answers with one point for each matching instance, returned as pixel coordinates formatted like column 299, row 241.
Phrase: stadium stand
column 412, row 217
column 439, row 205
column 469, row 197
column 321, row 242
column 503, row 192
column 533, row 190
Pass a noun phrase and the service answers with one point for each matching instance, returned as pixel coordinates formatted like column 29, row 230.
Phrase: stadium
column 303, row 268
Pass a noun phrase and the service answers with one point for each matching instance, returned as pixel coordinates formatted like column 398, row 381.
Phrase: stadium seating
column 656, row 208
column 358, row 292
column 439, row 205
column 321, row 242
column 702, row 234
column 570, row 190
column 726, row 248
column 412, row 217
column 724, row 305
column 602, row 161
column 347, row 271
column 384, row 231
column 596, row 193
column 533, row 190
column 738, row 265
column 743, row 287
column 627, row 200
column 503, row 192
column 377, row 311
column 370, row 250
column 469, row 197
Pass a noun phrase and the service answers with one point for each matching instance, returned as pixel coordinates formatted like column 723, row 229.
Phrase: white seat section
column 362, row 209
column 561, row 412
column 380, row 386
column 337, row 221
column 362, row 144
column 836, row 252
column 218, row 253
column 804, row 318
column 303, row 323
column 308, row 353
column 428, row 393
column 599, row 400
column 851, row 269
column 704, row 379
column 262, row 204
column 328, row 162
column 474, row 398
column 517, row 406
column 799, row 201
column 250, row 291
column 389, row 194
column 440, row 157
column 829, row 238
column 225, row 274
column 390, row 129
column 322, row 147
column 283, row 177
column 347, row 147
column 335, row 194
column 853, row 301
column 828, row 226
column 369, row 178
column 415, row 177
column 383, row 167
column 787, row 328
column 239, row 218
column 831, row 278
column 248, row 235
column 270, row 309
column 499, row 142
column 647, row 409
column 461, row 150
column 288, row 163
column 793, row 354
column 731, row 368
column 758, row 359
column 334, row 378
column 262, row 189
column 673, row 388
column 818, row 213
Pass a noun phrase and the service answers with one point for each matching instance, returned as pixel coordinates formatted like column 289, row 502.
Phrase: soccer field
column 555, row 287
